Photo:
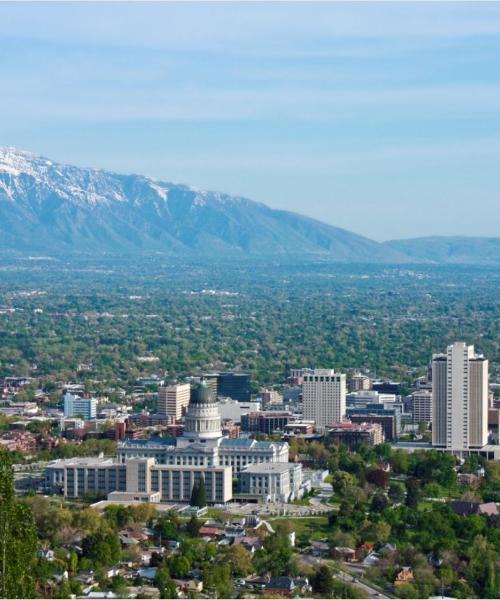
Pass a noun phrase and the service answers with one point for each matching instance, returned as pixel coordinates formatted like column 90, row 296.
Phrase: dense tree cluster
column 109, row 315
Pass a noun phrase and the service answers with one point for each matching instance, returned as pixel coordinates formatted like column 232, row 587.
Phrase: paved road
column 374, row 593
column 345, row 576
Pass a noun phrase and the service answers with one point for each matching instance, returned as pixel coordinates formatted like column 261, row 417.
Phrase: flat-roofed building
column 324, row 397
column 390, row 419
column 421, row 406
column 350, row 434
column 173, row 400
column 459, row 399
column 75, row 406
column 359, row 382
column 266, row 422
column 279, row 482
column 138, row 479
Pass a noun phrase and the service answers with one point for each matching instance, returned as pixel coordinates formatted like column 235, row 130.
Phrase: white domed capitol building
column 166, row 469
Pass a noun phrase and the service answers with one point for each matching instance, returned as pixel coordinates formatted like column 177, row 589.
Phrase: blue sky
column 380, row 118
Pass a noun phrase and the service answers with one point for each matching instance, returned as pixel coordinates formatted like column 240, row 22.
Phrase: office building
column 364, row 397
column 266, row 422
column 324, row 397
column 227, row 384
column 388, row 417
column 234, row 385
column 359, row 382
column 387, row 387
column 212, row 381
column 351, row 434
column 75, row 406
column 270, row 397
column 233, row 409
column 459, row 399
column 173, row 400
column 421, row 406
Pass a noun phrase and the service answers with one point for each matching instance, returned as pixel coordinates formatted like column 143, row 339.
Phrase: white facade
column 459, row 398
column 74, row 406
column 280, row 482
column 364, row 397
column 233, row 409
column 324, row 397
column 139, row 480
column 166, row 469
column 173, row 400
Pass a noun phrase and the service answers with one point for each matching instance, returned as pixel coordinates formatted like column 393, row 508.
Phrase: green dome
column 201, row 394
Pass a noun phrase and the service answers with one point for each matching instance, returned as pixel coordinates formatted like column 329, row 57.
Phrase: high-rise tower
column 324, row 397
column 459, row 398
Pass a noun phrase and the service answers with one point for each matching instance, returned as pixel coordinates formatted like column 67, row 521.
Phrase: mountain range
column 50, row 207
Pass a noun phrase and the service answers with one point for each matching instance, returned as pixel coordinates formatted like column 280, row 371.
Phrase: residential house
column 466, row 509
column 404, row 576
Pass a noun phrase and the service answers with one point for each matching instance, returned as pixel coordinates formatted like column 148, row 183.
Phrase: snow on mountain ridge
column 88, row 185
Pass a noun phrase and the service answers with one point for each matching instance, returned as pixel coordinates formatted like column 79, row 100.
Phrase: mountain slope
column 459, row 250
column 50, row 207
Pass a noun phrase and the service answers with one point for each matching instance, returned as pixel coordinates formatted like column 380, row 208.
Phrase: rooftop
column 82, row 461
column 349, row 426
column 269, row 467
column 158, row 441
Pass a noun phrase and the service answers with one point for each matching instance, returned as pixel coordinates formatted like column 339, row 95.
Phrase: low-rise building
column 235, row 409
column 274, row 482
column 75, row 406
column 136, row 480
column 300, row 428
column 265, row 422
column 389, row 418
column 350, row 434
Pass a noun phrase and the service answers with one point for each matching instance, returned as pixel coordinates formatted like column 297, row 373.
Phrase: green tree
column 102, row 548
column 396, row 491
column 193, row 526
column 18, row 540
column 275, row 555
column 217, row 580
column 412, row 493
column 322, row 582
column 482, row 568
column 199, row 493
column 73, row 562
column 202, row 492
column 165, row 584
column 179, row 566
column 239, row 559
column 166, row 528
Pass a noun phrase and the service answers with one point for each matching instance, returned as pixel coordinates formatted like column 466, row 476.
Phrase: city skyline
column 368, row 117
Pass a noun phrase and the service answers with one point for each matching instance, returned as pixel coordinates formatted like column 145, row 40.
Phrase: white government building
column 166, row 469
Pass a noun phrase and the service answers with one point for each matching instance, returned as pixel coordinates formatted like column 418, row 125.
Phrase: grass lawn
column 302, row 502
column 314, row 528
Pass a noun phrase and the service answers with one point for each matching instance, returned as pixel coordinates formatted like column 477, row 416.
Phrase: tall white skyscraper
column 459, row 398
column 324, row 396
column 173, row 400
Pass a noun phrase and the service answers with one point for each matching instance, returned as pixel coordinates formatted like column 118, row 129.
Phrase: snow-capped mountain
column 51, row 207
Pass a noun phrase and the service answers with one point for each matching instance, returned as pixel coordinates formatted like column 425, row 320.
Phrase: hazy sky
column 380, row 118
